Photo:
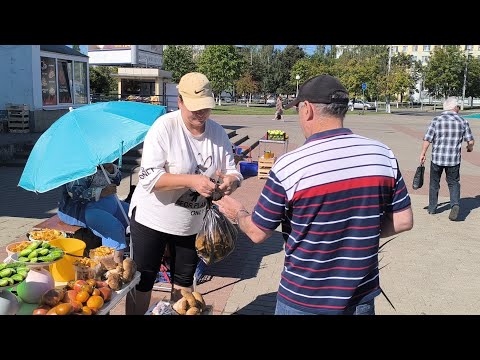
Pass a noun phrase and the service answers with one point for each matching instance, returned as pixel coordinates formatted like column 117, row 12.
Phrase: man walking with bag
column 446, row 133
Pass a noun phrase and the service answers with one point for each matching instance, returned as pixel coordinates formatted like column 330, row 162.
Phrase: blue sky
column 309, row 49
column 83, row 49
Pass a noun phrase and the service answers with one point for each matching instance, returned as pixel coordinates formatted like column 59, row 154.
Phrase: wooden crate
column 18, row 118
column 264, row 166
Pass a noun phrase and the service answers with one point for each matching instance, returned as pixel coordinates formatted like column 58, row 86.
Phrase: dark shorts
column 148, row 249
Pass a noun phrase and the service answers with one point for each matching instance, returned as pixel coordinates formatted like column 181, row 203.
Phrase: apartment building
column 423, row 52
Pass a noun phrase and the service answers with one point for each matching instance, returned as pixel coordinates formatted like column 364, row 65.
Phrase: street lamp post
column 387, row 103
column 297, row 78
column 464, row 80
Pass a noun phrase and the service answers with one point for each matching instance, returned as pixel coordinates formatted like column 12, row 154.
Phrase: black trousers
column 148, row 249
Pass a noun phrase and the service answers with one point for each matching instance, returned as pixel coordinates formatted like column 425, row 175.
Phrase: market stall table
column 117, row 296
column 266, row 141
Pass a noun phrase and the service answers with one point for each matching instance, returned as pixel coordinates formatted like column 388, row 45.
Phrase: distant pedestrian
column 446, row 132
column 278, row 109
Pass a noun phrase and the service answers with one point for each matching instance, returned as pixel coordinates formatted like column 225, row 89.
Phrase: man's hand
column 423, row 157
column 230, row 207
column 469, row 148
column 108, row 190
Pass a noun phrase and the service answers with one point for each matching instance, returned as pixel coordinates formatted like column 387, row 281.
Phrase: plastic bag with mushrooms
column 216, row 239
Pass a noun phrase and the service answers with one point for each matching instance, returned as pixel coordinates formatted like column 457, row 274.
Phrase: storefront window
column 48, row 71
column 80, row 82
column 65, row 81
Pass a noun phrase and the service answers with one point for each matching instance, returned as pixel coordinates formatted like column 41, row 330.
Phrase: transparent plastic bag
column 216, row 239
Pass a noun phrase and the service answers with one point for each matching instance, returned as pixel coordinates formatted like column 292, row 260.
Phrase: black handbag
column 418, row 178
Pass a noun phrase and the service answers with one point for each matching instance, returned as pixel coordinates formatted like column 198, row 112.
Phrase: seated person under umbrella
column 90, row 202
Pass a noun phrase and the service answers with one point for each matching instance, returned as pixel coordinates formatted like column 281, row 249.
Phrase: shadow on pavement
column 233, row 127
column 18, row 202
column 245, row 261
column 262, row 305
column 466, row 206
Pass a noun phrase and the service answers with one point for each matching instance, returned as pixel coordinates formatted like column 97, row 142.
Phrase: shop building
column 140, row 76
column 45, row 79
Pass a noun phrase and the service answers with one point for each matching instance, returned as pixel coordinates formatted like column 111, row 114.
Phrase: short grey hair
column 337, row 110
column 450, row 103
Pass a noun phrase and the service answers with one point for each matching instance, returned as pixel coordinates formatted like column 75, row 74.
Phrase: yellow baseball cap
column 196, row 91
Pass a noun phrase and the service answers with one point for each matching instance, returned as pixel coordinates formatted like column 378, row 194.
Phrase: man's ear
column 309, row 109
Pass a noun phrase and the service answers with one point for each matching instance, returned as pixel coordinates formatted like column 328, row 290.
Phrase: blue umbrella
column 84, row 138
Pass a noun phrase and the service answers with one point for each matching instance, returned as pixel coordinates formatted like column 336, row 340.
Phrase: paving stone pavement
column 431, row 269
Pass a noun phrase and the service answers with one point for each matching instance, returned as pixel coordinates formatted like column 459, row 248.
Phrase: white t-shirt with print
column 170, row 147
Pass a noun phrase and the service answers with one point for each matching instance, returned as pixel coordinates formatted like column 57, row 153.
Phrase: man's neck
column 326, row 124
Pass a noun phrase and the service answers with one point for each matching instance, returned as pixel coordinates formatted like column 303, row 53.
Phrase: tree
column 283, row 65
column 179, row 60
column 247, row 86
column 222, row 64
column 473, row 78
column 76, row 47
column 101, row 81
column 444, row 72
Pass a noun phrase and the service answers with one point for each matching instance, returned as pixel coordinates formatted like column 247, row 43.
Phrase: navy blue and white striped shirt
column 446, row 133
column 330, row 195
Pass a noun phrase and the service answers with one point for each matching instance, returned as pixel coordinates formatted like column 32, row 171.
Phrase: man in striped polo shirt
column 446, row 133
column 334, row 196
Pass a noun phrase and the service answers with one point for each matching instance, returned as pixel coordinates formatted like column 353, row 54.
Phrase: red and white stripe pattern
column 329, row 195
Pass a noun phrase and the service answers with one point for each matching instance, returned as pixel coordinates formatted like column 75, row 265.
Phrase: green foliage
column 282, row 65
column 101, row 81
column 76, row 47
column 473, row 78
column 307, row 68
column 222, row 64
column 244, row 110
column 246, row 85
column 179, row 60
column 444, row 72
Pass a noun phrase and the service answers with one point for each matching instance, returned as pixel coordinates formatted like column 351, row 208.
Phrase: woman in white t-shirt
column 184, row 155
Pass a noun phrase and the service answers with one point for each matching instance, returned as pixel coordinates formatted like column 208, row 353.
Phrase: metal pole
column 387, row 103
column 116, row 196
column 297, row 77
column 363, row 98
column 464, row 80
column 420, row 97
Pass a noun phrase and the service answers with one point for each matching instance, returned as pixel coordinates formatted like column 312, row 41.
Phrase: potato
column 114, row 281
column 52, row 297
column 190, row 299
column 200, row 302
column 129, row 269
column 181, row 306
column 193, row 311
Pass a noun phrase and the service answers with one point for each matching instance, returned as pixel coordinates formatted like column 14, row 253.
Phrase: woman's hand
column 203, row 185
column 229, row 183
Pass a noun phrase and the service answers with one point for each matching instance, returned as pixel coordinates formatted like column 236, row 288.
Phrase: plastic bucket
column 64, row 270
column 248, row 168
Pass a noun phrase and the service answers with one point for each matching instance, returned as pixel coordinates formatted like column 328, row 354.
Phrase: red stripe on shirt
column 310, row 232
column 344, row 185
column 331, row 251
column 329, row 269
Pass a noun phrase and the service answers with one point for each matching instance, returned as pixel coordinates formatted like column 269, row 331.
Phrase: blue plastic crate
column 248, row 168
